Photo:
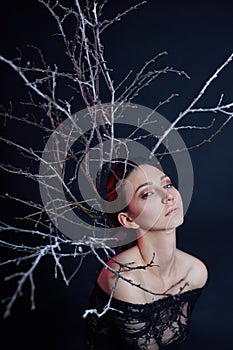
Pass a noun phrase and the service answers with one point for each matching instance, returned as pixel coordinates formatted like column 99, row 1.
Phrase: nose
column 168, row 197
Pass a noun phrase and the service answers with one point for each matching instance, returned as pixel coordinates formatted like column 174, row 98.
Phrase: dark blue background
column 198, row 37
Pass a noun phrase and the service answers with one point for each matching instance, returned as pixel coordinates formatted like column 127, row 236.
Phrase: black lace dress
column 163, row 323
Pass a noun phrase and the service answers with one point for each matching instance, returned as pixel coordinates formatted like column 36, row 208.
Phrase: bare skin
column 155, row 210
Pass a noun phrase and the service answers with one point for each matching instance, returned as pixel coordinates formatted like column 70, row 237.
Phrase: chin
column 180, row 222
column 175, row 222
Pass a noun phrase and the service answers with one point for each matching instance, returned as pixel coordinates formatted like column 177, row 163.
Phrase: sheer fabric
column 160, row 324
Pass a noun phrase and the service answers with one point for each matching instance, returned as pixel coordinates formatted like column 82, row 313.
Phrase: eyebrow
column 149, row 183
column 145, row 184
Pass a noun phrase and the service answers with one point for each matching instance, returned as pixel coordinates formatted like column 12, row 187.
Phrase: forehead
column 145, row 173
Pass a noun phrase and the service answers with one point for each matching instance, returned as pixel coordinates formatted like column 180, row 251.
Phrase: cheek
column 134, row 209
column 178, row 199
column 150, row 215
column 146, row 210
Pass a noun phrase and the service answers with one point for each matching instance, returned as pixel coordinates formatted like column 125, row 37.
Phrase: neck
column 161, row 244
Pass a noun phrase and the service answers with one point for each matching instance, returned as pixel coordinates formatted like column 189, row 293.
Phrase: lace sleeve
column 151, row 326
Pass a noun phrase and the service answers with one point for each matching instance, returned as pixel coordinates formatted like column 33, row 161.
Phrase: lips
column 171, row 211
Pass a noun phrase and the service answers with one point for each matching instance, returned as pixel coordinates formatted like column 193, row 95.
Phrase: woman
column 153, row 285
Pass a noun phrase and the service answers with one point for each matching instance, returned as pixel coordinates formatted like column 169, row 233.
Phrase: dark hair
column 110, row 180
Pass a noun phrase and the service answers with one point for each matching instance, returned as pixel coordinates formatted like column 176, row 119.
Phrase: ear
column 126, row 221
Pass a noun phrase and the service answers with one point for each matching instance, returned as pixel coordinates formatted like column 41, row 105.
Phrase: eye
column 147, row 195
column 168, row 186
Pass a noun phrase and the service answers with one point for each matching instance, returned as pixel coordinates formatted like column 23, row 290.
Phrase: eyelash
column 145, row 195
column 168, row 185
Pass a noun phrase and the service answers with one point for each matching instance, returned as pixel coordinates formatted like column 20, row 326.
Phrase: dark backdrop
column 198, row 37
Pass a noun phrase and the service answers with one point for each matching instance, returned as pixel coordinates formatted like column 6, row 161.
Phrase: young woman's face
column 153, row 202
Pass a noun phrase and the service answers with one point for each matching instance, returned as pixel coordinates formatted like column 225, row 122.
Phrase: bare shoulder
column 119, row 263
column 197, row 273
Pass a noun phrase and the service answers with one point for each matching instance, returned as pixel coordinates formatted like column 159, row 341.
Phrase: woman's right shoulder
column 117, row 264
